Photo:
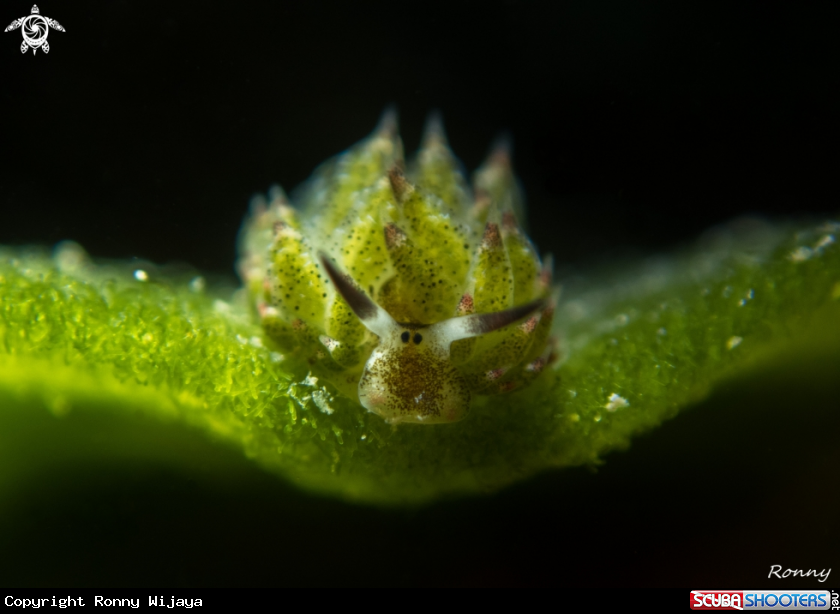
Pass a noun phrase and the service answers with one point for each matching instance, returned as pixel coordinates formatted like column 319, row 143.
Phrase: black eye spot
column 405, row 336
column 418, row 338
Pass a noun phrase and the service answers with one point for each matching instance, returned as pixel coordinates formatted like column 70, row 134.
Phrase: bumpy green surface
column 98, row 365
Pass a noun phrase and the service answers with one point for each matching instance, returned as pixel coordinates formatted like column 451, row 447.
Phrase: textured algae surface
column 98, row 364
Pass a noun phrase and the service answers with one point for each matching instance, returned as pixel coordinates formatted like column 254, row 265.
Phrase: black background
column 637, row 125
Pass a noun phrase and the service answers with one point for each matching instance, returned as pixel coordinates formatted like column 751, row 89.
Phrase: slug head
column 409, row 376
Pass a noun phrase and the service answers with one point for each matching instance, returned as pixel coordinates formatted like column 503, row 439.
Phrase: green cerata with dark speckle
column 403, row 286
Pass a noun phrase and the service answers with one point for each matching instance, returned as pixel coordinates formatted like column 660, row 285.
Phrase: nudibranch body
column 403, row 285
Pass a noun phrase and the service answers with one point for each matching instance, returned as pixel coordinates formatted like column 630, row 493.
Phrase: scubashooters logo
column 760, row 600
column 35, row 28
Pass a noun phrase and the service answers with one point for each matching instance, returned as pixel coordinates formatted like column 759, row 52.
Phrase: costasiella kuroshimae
column 401, row 284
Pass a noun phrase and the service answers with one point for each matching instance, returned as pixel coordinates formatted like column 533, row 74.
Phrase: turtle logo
column 35, row 28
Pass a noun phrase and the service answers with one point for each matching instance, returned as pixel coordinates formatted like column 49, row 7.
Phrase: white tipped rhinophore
column 464, row 327
column 377, row 320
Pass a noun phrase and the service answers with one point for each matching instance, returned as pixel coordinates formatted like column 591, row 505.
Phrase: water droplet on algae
column 734, row 342
column 198, row 284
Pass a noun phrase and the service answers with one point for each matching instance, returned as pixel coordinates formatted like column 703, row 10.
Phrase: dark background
column 637, row 125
